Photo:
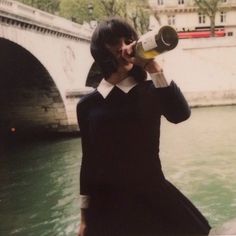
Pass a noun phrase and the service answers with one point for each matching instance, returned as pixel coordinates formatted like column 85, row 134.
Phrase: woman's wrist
column 83, row 218
column 152, row 67
column 84, row 201
column 159, row 80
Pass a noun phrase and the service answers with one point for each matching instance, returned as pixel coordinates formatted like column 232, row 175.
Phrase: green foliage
column 210, row 8
column 135, row 11
column 76, row 10
column 51, row 6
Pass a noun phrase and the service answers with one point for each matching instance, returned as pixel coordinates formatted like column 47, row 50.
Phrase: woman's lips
column 124, row 61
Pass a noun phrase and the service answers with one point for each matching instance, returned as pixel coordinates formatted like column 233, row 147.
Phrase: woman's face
column 122, row 48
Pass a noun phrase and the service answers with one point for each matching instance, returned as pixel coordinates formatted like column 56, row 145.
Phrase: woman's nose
column 127, row 48
column 123, row 46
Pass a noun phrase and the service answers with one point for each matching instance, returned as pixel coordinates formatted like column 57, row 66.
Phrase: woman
column 123, row 189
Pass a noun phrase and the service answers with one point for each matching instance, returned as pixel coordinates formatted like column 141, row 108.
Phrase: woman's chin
column 128, row 67
column 125, row 67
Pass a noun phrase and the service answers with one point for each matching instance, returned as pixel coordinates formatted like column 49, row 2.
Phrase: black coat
column 121, row 169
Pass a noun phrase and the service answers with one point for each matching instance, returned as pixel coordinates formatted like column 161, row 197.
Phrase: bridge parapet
column 25, row 12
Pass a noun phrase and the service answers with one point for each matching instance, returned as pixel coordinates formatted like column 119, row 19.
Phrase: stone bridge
column 44, row 62
column 45, row 59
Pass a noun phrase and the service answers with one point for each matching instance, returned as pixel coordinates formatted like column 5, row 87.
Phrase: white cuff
column 84, row 201
column 159, row 80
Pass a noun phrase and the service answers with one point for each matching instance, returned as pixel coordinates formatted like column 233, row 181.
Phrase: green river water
column 39, row 181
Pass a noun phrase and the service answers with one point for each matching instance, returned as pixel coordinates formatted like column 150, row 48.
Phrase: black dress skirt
column 121, row 170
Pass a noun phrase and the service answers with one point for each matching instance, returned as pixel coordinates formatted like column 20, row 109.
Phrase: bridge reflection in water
column 40, row 181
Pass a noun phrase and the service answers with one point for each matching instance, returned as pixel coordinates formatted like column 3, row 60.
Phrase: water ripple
column 40, row 182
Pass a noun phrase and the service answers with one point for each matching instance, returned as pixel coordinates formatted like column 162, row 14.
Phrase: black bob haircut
column 108, row 32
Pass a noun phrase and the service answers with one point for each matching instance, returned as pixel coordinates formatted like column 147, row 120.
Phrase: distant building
column 184, row 15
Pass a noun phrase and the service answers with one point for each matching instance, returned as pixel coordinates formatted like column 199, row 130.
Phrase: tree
column 133, row 11
column 136, row 12
column 139, row 15
column 210, row 8
column 51, row 6
column 87, row 10
column 113, row 7
column 80, row 11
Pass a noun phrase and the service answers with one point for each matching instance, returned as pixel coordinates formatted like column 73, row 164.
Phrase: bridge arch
column 30, row 101
column 60, row 46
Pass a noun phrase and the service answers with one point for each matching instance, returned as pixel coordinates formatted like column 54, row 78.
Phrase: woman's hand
column 153, row 67
column 149, row 65
column 82, row 229
column 128, row 54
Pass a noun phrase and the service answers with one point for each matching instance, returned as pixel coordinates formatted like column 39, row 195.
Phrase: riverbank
column 211, row 98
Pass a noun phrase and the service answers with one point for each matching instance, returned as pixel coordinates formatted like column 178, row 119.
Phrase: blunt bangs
column 112, row 30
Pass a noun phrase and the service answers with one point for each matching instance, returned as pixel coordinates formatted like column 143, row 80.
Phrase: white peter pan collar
column 104, row 88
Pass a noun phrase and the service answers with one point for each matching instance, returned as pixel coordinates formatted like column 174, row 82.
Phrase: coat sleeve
column 85, row 170
column 173, row 104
